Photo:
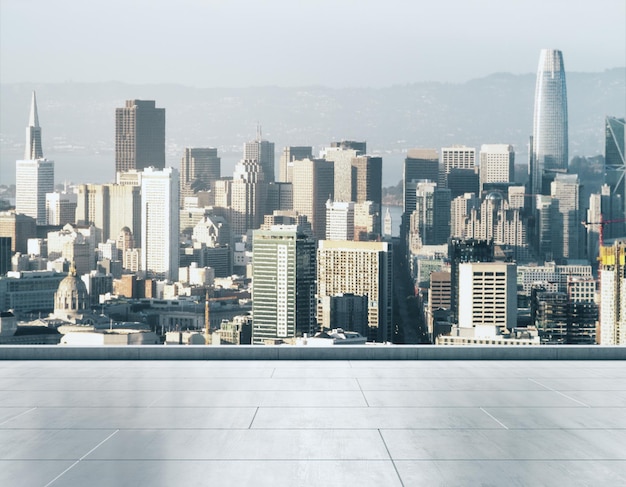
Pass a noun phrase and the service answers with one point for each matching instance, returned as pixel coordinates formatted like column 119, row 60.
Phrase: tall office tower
column 583, row 310
column 565, row 190
column 262, row 151
column 549, row 313
column 279, row 196
column 248, row 197
column 139, row 136
column 345, row 311
column 34, row 176
column 455, row 157
column 93, row 208
column 60, row 208
column 613, row 294
column 283, row 283
column 342, row 154
column 5, row 255
column 420, row 164
column 461, row 251
column 497, row 164
column 199, row 168
column 19, row 228
column 313, row 185
column 366, row 221
column 289, row 155
column 545, row 232
column 430, row 222
column 461, row 181
column 488, row 295
column 159, row 223
column 363, row 269
column 367, row 179
column 339, row 220
column 615, row 175
column 549, row 143
column 124, row 211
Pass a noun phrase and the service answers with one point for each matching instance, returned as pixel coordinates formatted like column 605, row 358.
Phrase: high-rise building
column 342, row 155
column 34, row 176
column 461, row 251
column 61, row 208
column 488, row 295
column 313, row 185
column 93, row 208
column 19, row 228
column 615, row 170
column 199, row 169
column 291, row 154
column 362, row 269
column 613, row 294
column 430, row 222
column 568, row 235
column 5, row 255
column 345, row 311
column 283, row 283
column 261, row 151
column 248, row 197
column 159, row 223
column 339, row 220
column 420, row 164
column 139, row 136
column 549, row 143
column 461, row 181
column 497, row 164
column 455, row 157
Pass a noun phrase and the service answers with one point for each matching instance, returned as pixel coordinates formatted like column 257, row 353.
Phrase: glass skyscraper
column 549, row 142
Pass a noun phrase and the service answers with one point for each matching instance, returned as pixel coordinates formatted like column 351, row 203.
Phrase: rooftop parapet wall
column 352, row 352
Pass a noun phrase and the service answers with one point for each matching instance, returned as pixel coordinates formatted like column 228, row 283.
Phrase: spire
column 33, row 134
column 33, row 121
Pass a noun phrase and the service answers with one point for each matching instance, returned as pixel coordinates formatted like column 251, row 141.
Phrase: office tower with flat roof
column 261, row 151
column 488, row 295
column 613, row 294
column 455, row 157
column 199, row 169
column 139, row 136
column 342, row 154
column 461, row 251
column 430, row 221
column 419, row 165
column 362, row 269
column 19, row 228
column 615, row 176
column 339, row 220
column 5, row 255
column 497, row 164
column 289, row 155
column 569, row 237
column 313, row 185
column 61, row 208
column 160, row 223
column 549, row 143
column 34, row 175
column 283, row 283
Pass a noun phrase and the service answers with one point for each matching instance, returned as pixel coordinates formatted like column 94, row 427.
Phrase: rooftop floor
column 330, row 423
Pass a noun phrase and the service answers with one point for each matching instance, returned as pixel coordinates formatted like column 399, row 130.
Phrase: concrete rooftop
column 323, row 423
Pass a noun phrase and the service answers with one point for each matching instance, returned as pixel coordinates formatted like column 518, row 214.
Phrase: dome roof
column 494, row 196
column 71, row 284
column 71, row 296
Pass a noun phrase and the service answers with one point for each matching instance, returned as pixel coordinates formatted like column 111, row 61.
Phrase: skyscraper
column 160, row 223
column 291, row 154
column 199, row 169
column 569, row 236
column 420, row 164
column 456, row 157
column 615, row 170
column 261, row 151
column 139, row 136
column 613, row 294
column 313, row 185
column 34, row 176
column 497, row 164
column 248, row 197
column 362, row 269
column 342, row 155
column 283, row 283
column 549, row 143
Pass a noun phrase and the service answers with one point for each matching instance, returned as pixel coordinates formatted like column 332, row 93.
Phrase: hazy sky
column 301, row 42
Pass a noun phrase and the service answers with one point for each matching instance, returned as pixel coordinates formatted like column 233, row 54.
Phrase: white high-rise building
column 34, row 176
column 159, row 223
column 455, row 157
column 613, row 294
column 339, row 220
column 565, row 190
column 488, row 295
column 497, row 164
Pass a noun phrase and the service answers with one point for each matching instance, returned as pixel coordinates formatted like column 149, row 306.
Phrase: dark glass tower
column 139, row 136
column 549, row 151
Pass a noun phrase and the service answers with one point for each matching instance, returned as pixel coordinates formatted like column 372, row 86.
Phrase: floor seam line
column 494, row 418
column 17, row 416
column 362, row 392
column 558, row 392
column 80, row 459
column 390, row 457
column 253, row 417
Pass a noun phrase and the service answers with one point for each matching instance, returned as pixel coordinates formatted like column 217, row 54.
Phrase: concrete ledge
column 351, row 352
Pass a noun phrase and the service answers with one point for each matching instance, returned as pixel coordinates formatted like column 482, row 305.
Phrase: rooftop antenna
column 259, row 132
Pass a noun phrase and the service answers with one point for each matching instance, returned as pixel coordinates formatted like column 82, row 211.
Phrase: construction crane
column 602, row 223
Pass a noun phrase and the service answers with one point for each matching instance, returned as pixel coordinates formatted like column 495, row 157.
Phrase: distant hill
column 78, row 118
